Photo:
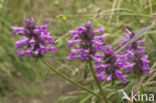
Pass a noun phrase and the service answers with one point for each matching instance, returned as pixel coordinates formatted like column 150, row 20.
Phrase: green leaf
column 129, row 88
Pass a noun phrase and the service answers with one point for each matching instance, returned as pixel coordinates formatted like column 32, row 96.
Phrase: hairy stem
column 142, row 92
column 97, row 82
column 116, row 91
column 69, row 80
column 140, row 86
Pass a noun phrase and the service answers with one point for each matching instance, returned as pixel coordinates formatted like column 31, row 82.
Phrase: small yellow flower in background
column 64, row 18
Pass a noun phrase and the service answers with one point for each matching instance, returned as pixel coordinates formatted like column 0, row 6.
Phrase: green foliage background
column 20, row 75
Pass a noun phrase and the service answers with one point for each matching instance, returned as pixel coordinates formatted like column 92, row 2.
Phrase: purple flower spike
column 35, row 39
column 86, row 42
column 136, row 54
column 111, row 67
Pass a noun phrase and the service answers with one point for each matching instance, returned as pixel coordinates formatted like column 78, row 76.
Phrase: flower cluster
column 112, row 66
column 109, row 65
column 136, row 53
column 35, row 39
column 87, row 43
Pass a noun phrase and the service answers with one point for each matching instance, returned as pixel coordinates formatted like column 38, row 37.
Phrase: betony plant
column 90, row 47
column 136, row 54
column 35, row 39
column 88, row 44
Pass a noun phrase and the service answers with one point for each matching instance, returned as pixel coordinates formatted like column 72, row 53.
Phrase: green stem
column 69, row 80
column 142, row 92
column 97, row 82
column 116, row 91
column 141, row 87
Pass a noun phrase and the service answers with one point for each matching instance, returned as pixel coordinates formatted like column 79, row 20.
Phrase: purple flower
column 35, row 39
column 136, row 54
column 111, row 66
column 86, row 43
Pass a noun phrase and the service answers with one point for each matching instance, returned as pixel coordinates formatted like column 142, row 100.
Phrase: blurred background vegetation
column 24, row 80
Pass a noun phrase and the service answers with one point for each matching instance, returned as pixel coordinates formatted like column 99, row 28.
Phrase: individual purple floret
column 136, row 53
column 35, row 39
column 112, row 66
column 86, row 43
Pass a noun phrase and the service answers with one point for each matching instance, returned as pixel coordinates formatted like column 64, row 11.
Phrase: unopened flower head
column 136, row 53
column 86, row 43
column 35, row 39
column 111, row 67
